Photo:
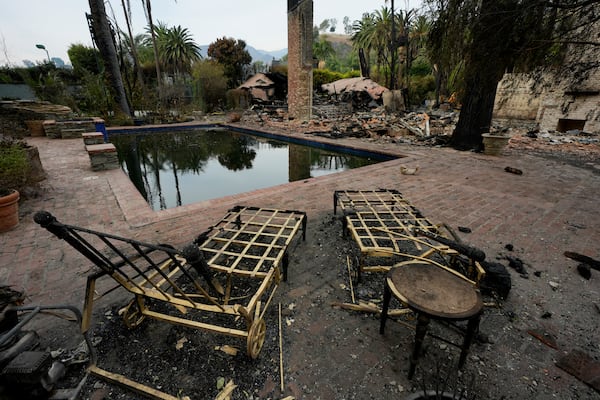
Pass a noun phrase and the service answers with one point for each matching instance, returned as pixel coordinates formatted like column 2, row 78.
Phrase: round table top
column 432, row 290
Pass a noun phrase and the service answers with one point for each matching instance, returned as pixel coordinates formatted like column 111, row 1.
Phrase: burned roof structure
column 361, row 92
column 266, row 87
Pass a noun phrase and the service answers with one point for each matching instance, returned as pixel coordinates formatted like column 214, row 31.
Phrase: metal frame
column 385, row 225
column 240, row 258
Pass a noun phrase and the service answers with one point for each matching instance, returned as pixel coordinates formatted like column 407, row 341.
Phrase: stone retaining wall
column 71, row 129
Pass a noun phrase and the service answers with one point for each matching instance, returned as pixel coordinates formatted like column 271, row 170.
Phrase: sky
column 262, row 24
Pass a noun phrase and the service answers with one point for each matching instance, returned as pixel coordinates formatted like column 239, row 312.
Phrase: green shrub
column 281, row 69
column 209, row 85
column 237, row 99
column 420, row 67
column 14, row 166
column 421, row 88
column 323, row 76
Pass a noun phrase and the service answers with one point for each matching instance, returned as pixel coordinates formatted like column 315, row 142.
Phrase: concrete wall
column 576, row 99
column 300, row 76
column 16, row 92
column 561, row 98
column 556, row 107
column 556, row 100
column 516, row 98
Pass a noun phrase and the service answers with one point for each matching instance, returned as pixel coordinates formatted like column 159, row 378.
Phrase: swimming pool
column 171, row 168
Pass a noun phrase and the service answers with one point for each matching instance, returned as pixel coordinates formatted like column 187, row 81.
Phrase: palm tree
column 323, row 49
column 373, row 33
column 363, row 37
column 419, row 33
column 177, row 49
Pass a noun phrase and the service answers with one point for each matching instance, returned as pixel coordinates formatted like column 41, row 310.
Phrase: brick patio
column 551, row 208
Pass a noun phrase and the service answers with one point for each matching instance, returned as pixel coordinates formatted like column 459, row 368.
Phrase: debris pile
column 362, row 93
column 337, row 121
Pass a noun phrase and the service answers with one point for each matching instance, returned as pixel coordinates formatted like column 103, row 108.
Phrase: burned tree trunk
column 104, row 40
column 364, row 64
column 476, row 111
column 487, row 58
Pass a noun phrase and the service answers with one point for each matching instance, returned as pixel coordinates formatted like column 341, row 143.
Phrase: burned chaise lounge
column 241, row 258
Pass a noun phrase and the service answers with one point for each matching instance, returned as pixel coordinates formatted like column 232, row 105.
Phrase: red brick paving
column 551, row 208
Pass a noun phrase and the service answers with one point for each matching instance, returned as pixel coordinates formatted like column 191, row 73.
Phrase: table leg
column 387, row 295
column 422, row 323
column 472, row 328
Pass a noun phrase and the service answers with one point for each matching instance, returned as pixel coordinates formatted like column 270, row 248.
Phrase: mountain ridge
column 256, row 54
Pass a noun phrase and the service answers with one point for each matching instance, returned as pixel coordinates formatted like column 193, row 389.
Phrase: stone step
column 90, row 138
column 72, row 133
column 103, row 156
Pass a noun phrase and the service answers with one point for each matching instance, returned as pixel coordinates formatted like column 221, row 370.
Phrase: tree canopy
column 177, row 49
column 374, row 34
column 84, row 59
column 232, row 54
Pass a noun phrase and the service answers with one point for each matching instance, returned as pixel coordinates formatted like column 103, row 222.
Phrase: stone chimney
column 300, row 59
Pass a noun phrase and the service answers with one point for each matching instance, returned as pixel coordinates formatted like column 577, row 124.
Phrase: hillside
column 337, row 38
column 341, row 44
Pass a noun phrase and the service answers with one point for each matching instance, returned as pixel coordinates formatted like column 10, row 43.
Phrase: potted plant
column 14, row 169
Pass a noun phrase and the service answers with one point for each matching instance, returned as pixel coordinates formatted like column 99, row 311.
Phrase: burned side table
column 434, row 293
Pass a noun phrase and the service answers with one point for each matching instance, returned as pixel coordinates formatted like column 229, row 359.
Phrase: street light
column 41, row 46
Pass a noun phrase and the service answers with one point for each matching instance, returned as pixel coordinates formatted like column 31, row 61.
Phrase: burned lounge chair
column 243, row 256
column 389, row 230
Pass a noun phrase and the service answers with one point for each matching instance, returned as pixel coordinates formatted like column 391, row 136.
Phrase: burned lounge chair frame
column 386, row 227
column 241, row 258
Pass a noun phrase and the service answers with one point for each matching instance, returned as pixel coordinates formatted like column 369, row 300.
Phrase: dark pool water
column 171, row 169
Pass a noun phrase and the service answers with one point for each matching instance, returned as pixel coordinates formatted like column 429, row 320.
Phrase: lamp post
column 42, row 47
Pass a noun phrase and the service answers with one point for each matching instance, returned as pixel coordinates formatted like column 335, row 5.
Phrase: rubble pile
column 14, row 114
column 337, row 121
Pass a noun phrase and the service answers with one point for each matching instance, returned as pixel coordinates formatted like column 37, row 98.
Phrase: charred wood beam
column 469, row 251
column 595, row 264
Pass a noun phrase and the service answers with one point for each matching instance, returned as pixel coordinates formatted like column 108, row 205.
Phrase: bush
column 422, row 88
column 280, row 69
column 323, row 76
column 14, row 166
column 420, row 67
column 238, row 99
column 209, row 85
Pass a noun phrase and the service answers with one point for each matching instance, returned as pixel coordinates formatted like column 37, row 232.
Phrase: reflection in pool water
column 171, row 169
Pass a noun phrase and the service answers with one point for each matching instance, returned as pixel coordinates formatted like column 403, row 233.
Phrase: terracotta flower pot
column 36, row 127
column 9, row 211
